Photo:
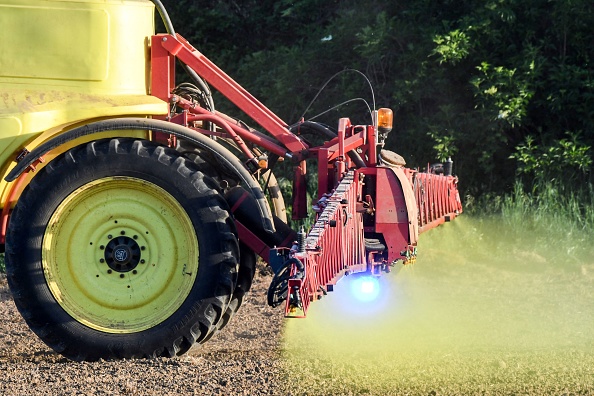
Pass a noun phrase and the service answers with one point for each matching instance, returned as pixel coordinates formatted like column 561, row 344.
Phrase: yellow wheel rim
column 120, row 255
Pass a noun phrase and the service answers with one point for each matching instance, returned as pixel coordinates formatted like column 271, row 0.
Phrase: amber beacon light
column 384, row 120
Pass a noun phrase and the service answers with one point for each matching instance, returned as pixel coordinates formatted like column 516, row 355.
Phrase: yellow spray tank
column 64, row 62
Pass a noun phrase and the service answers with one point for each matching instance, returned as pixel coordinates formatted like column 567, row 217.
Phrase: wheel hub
column 122, row 254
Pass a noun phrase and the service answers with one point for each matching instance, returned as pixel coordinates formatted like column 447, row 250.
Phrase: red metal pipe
column 253, row 136
column 227, row 128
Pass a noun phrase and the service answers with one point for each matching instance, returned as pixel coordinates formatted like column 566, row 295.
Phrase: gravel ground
column 242, row 359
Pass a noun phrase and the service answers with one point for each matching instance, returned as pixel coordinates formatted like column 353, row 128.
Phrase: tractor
column 134, row 212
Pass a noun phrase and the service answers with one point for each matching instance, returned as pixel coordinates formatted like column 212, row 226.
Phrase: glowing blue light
column 365, row 288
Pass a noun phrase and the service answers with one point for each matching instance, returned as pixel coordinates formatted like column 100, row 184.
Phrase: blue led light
column 365, row 288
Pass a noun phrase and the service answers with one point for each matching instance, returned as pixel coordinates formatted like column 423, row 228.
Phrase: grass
column 558, row 214
column 496, row 304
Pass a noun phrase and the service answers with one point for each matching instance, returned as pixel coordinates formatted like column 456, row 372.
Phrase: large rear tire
column 245, row 276
column 247, row 261
column 121, row 249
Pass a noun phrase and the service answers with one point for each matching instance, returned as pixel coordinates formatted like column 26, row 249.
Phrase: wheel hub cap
column 122, row 254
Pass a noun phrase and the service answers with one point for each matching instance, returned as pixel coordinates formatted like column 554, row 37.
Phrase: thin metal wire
column 339, row 105
column 332, row 78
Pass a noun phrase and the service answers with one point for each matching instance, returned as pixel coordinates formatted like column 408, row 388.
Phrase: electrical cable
column 332, row 78
column 339, row 105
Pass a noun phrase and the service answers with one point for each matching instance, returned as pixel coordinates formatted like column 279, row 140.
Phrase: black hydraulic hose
column 298, row 264
column 203, row 85
column 317, row 127
column 327, row 132
column 164, row 16
column 224, row 156
column 193, row 75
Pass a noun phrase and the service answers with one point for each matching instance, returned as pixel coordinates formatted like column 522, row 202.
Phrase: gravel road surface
column 243, row 359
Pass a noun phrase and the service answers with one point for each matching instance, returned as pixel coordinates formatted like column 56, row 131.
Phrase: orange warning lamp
column 384, row 120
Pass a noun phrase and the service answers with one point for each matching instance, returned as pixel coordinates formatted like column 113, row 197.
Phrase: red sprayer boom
column 370, row 208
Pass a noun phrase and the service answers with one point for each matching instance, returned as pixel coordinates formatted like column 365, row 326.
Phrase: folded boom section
column 335, row 246
column 437, row 197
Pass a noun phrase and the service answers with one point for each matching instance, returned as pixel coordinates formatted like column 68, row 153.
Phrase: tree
column 471, row 79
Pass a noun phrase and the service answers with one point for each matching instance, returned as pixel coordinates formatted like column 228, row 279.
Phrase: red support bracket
column 162, row 70
column 181, row 48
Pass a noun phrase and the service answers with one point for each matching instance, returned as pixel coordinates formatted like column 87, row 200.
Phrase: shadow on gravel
column 243, row 359
column 486, row 310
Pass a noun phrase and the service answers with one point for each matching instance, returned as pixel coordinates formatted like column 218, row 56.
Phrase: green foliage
column 546, row 213
column 499, row 89
column 444, row 146
column 566, row 161
column 566, row 213
column 451, row 47
column 473, row 79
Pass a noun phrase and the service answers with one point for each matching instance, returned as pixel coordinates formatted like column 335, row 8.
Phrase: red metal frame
column 400, row 202
column 437, row 198
column 169, row 47
column 395, row 215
